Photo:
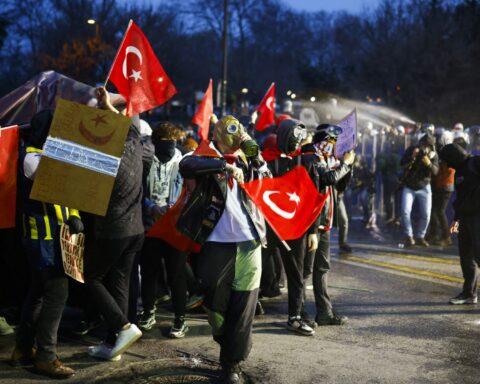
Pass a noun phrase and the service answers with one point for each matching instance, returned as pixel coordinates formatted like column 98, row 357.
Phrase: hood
column 454, row 155
column 427, row 139
column 39, row 127
column 285, row 132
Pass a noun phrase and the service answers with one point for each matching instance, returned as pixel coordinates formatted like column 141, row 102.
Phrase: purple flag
column 348, row 138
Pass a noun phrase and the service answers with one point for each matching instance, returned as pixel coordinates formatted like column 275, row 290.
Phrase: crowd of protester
column 239, row 259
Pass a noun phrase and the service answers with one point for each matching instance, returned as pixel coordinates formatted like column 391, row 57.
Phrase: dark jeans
column 469, row 249
column 108, row 266
column 321, row 266
column 293, row 262
column 42, row 312
column 439, row 227
column 151, row 263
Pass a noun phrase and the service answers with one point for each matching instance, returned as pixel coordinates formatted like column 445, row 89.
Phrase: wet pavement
column 401, row 329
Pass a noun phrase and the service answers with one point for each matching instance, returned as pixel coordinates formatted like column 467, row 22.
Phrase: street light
column 312, row 99
column 244, row 91
column 289, row 93
column 97, row 26
column 293, row 95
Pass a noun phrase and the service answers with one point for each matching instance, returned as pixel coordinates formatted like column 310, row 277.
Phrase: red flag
column 204, row 113
column 267, row 110
column 8, row 175
column 165, row 227
column 138, row 75
column 290, row 203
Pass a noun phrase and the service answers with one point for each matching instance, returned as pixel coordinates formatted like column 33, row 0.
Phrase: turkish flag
column 138, row 75
column 9, row 137
column 290, row 203
column 204, row 113
column 166, row 230
column 267, row 110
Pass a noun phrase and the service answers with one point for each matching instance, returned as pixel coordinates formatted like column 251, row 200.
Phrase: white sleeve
column 30, row 164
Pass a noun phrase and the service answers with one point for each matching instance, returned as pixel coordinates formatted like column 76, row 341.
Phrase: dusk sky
column 353, row 6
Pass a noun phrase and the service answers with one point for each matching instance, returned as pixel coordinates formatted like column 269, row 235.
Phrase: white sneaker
column 104, row 352
column 125, row 339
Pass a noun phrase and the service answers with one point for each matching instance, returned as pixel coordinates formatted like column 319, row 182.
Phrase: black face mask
column 292, row 143
column 164, row 150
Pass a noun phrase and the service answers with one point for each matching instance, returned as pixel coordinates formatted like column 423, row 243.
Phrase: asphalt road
column 401, row 330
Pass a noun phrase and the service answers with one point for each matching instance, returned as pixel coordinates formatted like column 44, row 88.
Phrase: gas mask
column 231, row 135
column 296, row 137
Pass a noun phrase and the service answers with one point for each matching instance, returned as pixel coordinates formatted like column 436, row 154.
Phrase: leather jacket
column 207, row 202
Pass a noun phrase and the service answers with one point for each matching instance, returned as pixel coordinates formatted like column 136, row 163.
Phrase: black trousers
column 321, row 266
column 342, row 220
column 42, row 312
column 438, row 221
column 229, row 274
column 270, row 282
column 108, row 266
column 469, row 249
column 154, row 250
column 293, row 262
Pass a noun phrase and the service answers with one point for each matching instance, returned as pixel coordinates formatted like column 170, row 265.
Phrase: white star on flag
column 294, row 197
column 137, row 75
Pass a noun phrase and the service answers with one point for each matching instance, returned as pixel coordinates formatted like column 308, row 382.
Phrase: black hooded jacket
column 467, row 179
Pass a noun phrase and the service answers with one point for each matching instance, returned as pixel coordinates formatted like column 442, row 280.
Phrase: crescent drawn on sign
column 269, row 103
column 275, row 208
column 136, row 52
column 92, row 138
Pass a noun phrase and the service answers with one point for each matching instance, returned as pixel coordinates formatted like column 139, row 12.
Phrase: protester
column 363, row 185
column 290, row 134
column 442, row 189
column 420, row 163
column 111, row 245
column 388, row 164
column 43, row 307
column 467, row 217
column 333, row 173
column 163, row 187
column 230, row 228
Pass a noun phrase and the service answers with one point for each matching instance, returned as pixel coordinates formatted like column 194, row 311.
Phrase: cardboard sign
column 81, row 157
column 73, row 247
column 348, row 138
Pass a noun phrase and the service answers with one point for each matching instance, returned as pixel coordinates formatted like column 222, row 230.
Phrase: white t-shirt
column 234, row 225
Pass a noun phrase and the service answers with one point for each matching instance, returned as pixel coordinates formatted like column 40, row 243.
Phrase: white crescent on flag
column 135, row 74
column 269, row 103
column 275, row 208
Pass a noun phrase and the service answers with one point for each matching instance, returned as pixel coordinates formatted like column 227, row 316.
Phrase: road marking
column 406, row 269
column 419, row 258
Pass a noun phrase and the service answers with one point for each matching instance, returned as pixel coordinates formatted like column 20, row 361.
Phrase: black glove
column 75, row 225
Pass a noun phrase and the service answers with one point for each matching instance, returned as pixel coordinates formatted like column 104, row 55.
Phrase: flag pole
column 118, row 51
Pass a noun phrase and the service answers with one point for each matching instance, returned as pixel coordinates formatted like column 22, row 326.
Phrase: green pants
column 230, row 275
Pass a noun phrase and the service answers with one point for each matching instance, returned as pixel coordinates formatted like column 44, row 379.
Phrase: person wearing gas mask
column 333, row 173
column 220, row 216
column 290, row 134
column 420, row 163
column 467, row 217
column 48, row 290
